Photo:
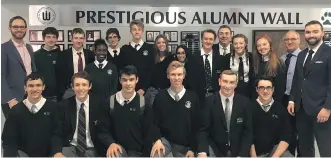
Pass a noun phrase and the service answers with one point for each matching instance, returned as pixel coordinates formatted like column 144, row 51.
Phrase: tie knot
column 241, row 58
column 206, row 55
column 126, row 102
column 227, row 100
column 82, row 105
column 115, row 51
column 79, row 53
column 176, row 97
column 100, row 65
column 33, row 108
column 289, row 55
column 137, row 45
column 224, row 48
column 311, row 52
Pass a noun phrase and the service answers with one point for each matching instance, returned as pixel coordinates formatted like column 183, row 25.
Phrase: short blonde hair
column 229, row 72
column 174, row 65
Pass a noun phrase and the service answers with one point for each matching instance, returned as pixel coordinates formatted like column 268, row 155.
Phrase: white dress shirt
column 141, row 42
column 75, row 58
column 120, row 98
column 235, row 66
column 210, row 58
column 111, row 51
column 223, row 98
column 180, row 94
column 228, row 49
column 261, row 104
column 87, row 118
column 39, row 104
column 314, row 49
column 104, row 63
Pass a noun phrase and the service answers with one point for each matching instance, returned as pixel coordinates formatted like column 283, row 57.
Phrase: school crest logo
column 54, row 61
column 188, row 104
column 110, row 72
column 46, row 15
column 145, row 52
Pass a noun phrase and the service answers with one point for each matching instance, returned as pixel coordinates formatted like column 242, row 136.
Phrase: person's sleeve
column 280, row 84
column 6, row 93
column 204, row 119
column 10, row 135
column 60, row 76
column 247, row 137
column 286, row 133
column 194, row 125
column 113, row 88
column 104, row 130
column 57, row 135
column 295, row 82
column 327, row 104
column 156, row 113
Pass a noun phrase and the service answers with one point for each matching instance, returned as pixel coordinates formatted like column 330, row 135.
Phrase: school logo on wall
column 326, row 18
column 46, row 15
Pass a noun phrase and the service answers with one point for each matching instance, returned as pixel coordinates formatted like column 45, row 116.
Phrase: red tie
column 80, row 62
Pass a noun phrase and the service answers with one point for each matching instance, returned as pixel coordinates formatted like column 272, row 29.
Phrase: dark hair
column 209, row 31
column 157, row 51
column 313, row 22
column 100, row 41
column 138, row 22
column 224, row 27
column 16, row 18
column 50, row 30
column 185, row 50
column 246, row 49
column 78, row 31
column 113, row 30
column 129, row 70
column 264, row 78
column 33, row 76
column 83, row 75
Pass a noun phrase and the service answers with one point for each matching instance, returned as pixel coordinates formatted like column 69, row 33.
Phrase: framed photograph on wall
column 35, row 36
column 90, row 47
column 61, row 46
column 35, row 46
column 327, row 38
column 172, row 48
column 61, row 36
column 69, row 35
column 277, row 38
column 191, row 39
column 92, row 35
column 172, row 36
column 151, row 35
column 69, row 46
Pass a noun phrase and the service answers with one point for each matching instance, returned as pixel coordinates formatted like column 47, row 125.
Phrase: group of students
column 140, row 100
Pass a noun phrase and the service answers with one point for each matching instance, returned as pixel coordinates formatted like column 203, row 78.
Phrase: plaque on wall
column 327, row 38
column 191, row 39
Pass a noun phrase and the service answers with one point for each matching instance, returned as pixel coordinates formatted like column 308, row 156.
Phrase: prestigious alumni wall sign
column 101, row 15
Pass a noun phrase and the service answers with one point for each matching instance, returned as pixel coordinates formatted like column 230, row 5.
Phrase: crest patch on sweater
column 188, row 104
column 145, row 52
column 109, row 71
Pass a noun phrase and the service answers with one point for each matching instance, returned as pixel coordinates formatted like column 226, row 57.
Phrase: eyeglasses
column 180, row 52
column 290, row 39
column 262, row 88
column 18, row 27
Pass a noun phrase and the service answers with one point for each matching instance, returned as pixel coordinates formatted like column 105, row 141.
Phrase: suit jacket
column 216, row 47
column 313, row 89
column 64, row 69
column 68, row 117
column 13, row 73
column 213, row 128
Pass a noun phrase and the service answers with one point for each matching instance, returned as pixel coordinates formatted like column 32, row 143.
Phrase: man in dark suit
column 16, row 63
column 226, row 121
column 310, row 97
column 224, row 37
column 207, row 66
column 80, row 119
column 71, row 61
column 113, row 37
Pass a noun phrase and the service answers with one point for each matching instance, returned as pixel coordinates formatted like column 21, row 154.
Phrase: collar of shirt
column 224, row 97
column 180, row 94
column 296, row 52
column 228, row 47
column 141, row 42
column 120, row 98
column 39, row 104
column 209, row 53
column 270, row 103
column 86, row 103
column 18, row 44
column 111, row 50
column 104, row 63
column 243, row 56
column 74, row 51
column 316, row 48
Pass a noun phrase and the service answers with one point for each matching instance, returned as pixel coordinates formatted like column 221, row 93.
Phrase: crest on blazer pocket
column 96, row 122
column 110, row 72
column 188, row 104
column 240, row 120
column 47, row 113
column 145, row 52
column 274, row 116
column 319, row 62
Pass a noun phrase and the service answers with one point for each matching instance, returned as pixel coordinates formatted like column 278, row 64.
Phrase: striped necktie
column 81, row 134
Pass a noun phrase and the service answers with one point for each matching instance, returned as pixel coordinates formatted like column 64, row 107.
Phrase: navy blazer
column 313, row 89
column 13, row 73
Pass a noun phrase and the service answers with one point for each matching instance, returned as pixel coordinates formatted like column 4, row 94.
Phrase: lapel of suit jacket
column 70, row 61
column 316, row 57
column 91, row 112
column 73, row 112
column 218, row 103
column 235, row 108
column 17, row 54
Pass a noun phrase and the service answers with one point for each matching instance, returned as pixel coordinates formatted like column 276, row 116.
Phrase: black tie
column 100, row 66
column 207, row 72
column 136, row 46
column 288, row 59
column 305, row 67
column 241, row 69
column 115, row 53
column 81, row 133
column 126, row 102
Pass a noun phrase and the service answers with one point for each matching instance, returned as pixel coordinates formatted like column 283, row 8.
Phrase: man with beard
column 103, row 73
column 209, row 64
column 222, row 110
column 139, row 54
column 113, row 37
column 310, row 98
column 224, row 37
column 271, row 123
column 71, row 61
column 45, row 59
column 16, row 63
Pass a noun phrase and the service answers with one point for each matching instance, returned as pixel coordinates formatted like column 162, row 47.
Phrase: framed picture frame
column 277, row 38
column 327, row 38
column 69, row 46
column 92, row 35
column 172, row 36
column 35, row 46
column 151, row 35
column 172, row 48
column 90, row 47
column 35, row 36
column 61, row 46
column 69, row 33
column 61, row 36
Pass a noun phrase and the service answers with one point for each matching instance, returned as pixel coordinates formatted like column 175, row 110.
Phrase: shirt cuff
column 11, row 100
column 202, row 153
column 291, row 102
